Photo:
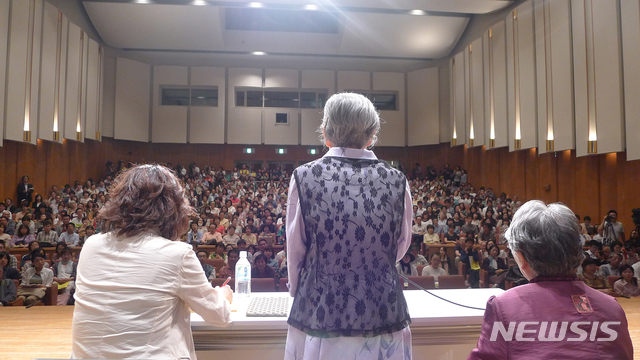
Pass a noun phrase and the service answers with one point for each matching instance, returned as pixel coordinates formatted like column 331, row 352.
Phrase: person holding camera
column 612, row 230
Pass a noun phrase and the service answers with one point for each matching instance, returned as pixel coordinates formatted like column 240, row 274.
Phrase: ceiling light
column 258, row 53
column 255, row 5
column 142, row 1
column 417, row 12
column 311, row 7
column 199, row 2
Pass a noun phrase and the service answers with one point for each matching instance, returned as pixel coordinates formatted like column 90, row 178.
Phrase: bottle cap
column 243, row 254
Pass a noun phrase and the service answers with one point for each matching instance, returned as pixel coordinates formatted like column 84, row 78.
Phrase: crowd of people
column 245, row 210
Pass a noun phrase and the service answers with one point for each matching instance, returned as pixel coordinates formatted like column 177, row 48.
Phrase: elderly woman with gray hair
column 349, row 222
column 555, row 316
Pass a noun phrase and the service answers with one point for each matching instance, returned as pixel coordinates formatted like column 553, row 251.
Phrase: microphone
column 439, row 297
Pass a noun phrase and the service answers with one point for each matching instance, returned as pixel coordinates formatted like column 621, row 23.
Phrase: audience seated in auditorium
column 260, row 270
column 495, row 266
column 471, row 258
column 35, row 280
column 62, row 227
column 613, row 268
column 419, row 259
column 272, row 262
column 26, row 259
column 10, row 272
column 231, row 238
column 266, row 234
column 435, row 268
column 64, row 273
column 627, row 285
column 590, row 277
column 209, row 271
column 70, row 237
column 22, row 238
column 88, row 231
column 57, row 255
column 194, row 236
column 404, row 266
column 212, row 237
column 8, row 289
column 219, row 253
column 248, row 235
column 13, row 262
column 47, row 235
column 229, row 270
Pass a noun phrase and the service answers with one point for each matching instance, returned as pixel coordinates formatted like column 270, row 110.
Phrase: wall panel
column 597, row 75
column 495, row 75
column 34, row 78
column 630, row 12
column 354, row 80
column 244, row 124
column 132, row 97
column 50, row 71
column 74, row 72
column 169, row 122
column 312, row 118
column 423, row 107
column 4, row 32
column 521, row 81
column 281, row 78
column 206, row 122
column 19, row 62
column 608, row 76
column 92, row 114
column 475, row 93
column 281, row 134
column 561, row 75
column 392, row 130
column 458, row 99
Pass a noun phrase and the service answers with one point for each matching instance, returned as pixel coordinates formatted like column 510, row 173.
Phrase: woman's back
column 133, row 297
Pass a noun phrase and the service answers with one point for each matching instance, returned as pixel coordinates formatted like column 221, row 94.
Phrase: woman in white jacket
column 134, row 284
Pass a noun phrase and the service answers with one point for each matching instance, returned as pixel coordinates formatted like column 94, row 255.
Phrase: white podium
column 440, row 330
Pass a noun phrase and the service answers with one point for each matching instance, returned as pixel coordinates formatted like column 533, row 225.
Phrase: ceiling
column 304, row 31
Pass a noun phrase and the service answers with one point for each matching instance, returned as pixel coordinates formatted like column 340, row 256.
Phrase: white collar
column 351, row 153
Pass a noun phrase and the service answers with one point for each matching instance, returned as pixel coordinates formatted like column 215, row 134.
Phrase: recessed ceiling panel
column 157, row 26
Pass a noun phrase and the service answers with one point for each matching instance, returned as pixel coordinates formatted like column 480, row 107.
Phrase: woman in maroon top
column 555, row 316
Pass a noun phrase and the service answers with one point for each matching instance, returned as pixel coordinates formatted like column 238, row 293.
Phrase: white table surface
column 425, row 310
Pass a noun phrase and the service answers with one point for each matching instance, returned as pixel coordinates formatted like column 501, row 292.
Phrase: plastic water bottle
column 243, row 276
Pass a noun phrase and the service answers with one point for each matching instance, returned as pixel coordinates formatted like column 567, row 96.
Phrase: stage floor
column 45, row 331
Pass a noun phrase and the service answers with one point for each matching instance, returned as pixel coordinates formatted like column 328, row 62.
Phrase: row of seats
column 427, row 282
column 50, row 297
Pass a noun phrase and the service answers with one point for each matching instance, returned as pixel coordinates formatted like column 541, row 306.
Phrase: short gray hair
column 548, row 237
column 350, row 120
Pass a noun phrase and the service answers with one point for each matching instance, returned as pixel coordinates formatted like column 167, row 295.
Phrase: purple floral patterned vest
column 353, row 211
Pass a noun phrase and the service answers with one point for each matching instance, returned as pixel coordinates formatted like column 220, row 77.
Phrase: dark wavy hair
column 146, row 198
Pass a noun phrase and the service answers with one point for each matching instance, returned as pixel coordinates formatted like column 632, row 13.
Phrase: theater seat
column 451, row 282
column 263, row 285
column 426, row 282
column 282, row 287
column 484, row 279
column 612, row 280
column 462, row 270
column 17, row 302
column 216, row 263
column 219, row 281
column 420, row 267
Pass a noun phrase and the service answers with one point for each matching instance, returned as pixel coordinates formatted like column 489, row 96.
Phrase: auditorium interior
column 536, row 99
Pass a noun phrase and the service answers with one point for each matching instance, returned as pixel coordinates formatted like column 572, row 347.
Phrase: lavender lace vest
column 352, row 211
